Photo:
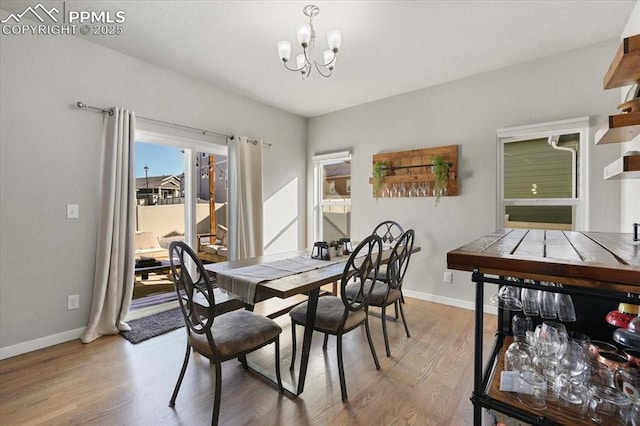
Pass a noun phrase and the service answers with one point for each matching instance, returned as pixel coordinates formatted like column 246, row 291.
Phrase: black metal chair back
column 363, row 265
column 399, row 260
column 389, row 231
column 192, row 282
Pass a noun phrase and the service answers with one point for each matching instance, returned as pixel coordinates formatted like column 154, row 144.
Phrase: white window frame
column 544, row 130
column 318, row 203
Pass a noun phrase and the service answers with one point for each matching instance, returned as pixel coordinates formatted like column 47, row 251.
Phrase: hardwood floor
column 427, row 381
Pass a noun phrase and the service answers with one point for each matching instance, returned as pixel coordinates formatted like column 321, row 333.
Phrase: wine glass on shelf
column 394, row 190
column 413, row 190
column 424, row 188
column 386, row 192
column 402, row 190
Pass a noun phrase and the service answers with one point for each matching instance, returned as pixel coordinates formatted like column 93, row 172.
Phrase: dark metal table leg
column 312, row 305
column 477, row 365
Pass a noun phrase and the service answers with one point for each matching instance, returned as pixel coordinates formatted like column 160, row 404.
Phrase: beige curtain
column 245, row 198
column 113, row 280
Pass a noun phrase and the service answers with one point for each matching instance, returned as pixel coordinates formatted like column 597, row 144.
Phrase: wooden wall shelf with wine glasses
column 413, row 169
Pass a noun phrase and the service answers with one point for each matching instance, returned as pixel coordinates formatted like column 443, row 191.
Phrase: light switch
column 73, row 211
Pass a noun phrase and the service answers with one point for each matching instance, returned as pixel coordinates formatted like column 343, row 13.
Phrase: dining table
column 308, row 282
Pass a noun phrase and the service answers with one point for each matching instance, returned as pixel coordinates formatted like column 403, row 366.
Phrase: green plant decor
column 379, row 172
column 440, row 169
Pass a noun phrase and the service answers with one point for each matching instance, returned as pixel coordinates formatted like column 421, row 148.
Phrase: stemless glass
column 607, row 403
column 507, row 298
column 529, row 299
column 520, row 324
column 596, row 373
column 564, row 307
column 532, row 390
column 550, row 338
column 516, row 359
column 548, row 367
column 573, row 359
column 572, row 392
column 563, row 336
column 581, row 339
column 546, row 303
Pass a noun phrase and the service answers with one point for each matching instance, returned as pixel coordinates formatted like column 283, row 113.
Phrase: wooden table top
column 588, row 259
column 293, row 284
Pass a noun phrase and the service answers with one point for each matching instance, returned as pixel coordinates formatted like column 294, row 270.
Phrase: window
column 332, row 196
column 187, row 209
column 540, row 183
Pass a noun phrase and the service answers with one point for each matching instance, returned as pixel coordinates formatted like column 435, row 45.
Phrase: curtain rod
column 82, row 105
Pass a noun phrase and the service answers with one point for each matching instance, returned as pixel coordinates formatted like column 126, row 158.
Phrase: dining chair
column 389, row 292
column 216, row 337
column 337, row 315
column 390, row 231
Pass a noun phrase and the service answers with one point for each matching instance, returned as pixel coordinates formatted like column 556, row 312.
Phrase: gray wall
column 468, row 113
column 50, row 156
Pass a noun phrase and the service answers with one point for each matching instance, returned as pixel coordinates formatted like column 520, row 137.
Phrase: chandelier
column 306, row 60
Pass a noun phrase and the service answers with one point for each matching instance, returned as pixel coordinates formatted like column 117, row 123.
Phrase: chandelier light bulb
column 304, row 34
column 301, row 61
column 334, row 38
column 284, row 50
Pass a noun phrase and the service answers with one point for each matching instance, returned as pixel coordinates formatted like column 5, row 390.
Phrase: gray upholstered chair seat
column 236, row 332
column 328, row 315
column 382, row 274
column 379, row 295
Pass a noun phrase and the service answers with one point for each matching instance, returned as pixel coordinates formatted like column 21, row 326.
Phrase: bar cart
column 599, row 266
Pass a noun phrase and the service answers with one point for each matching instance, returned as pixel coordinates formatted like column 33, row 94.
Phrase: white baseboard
column 488, row 309
column 42, row 342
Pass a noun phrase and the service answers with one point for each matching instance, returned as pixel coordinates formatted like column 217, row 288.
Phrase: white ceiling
column 388, row 47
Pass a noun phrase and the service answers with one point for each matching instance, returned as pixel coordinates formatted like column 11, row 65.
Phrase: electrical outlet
column 448, row 277
column 73, row 302
column 73, row 211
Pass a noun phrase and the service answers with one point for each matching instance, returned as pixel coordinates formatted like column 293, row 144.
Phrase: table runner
column 242, row 282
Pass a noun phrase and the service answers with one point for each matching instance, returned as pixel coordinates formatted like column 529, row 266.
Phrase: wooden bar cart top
column 606, row 261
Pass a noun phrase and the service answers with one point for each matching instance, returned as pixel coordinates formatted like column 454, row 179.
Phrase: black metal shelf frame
column 481, row 384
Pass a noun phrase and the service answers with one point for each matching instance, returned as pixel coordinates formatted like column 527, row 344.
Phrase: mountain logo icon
column 38, row 11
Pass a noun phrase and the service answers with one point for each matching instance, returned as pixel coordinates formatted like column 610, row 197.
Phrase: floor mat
column 154, row 325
